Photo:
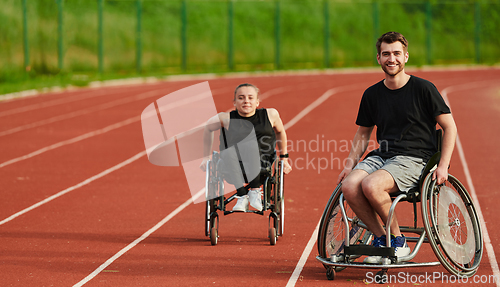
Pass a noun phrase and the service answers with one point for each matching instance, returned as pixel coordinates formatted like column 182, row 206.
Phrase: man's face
column 392, row 58
column 246, row 101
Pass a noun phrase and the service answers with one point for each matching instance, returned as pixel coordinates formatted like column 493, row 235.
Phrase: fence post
column 25, row 38
column 183, row 35
column 477, row 38
column 138, row 63
column 277, row 60
column 428, row 26
column 60, row 33
column 376, row 25
column 327, row 34
column 230, row 53
column 100, row 53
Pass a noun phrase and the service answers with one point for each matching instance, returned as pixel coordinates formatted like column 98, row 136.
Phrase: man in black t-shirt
column 405, row 110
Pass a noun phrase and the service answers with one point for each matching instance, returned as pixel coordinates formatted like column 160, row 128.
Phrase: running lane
column 65, row 240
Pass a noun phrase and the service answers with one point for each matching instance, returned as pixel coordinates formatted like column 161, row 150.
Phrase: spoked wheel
column 280, row 199
column 451, row 222
column 332, row 232
column 209, row 193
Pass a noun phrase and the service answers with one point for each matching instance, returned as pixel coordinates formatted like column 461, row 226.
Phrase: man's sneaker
column 241, row 204
column 402, row 248
column 255, row 198
column 377, row 242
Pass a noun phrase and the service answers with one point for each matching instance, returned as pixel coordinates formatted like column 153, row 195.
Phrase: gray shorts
column 405, row 170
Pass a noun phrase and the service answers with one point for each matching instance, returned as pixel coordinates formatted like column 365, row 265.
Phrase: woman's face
column 246, row 101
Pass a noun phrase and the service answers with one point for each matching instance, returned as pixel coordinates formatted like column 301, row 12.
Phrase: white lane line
column 73, row 140
column 69, row 189
column 303, row 259
column 138, row 240
column 108, row 262
column 79, row 138
column 487, row 241
column 83, row 112
column 318, row 102
column 51, row 103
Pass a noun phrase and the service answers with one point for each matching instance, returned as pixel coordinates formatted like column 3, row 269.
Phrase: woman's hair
column 246, row 85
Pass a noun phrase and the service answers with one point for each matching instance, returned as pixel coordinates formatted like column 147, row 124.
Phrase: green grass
column 301, row 23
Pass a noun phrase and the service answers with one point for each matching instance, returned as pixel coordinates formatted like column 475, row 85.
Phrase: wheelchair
column 450, row 225
column 273, row 198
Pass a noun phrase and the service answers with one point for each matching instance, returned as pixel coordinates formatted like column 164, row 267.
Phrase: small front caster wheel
column 213, row 236
column 272, row 235
column 330, row 273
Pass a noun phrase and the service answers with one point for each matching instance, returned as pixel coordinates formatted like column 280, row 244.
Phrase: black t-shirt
column 240, row 127
column 405, row 117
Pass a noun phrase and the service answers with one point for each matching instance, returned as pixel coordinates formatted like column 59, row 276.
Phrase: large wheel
column 332, row 232
column 453, row 228
column 280, row 202
column 209, row 192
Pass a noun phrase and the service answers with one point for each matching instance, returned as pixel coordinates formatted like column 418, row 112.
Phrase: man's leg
column 353, row 193
column 376, row 189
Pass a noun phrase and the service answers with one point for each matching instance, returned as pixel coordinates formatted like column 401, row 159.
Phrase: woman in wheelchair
column 405, row 110
column 235, row 128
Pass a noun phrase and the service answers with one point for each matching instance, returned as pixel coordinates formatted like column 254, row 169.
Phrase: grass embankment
column 353, row 28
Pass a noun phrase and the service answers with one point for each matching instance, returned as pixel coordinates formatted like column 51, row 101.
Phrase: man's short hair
column 391, row 37
column 246, row 85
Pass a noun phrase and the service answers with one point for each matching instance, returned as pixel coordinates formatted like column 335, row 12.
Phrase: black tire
column 331, row 234
column 272, row 235
column 280, row 201
column 330, row 273
column 452, row 226
column 209, row 191
column 213, row 236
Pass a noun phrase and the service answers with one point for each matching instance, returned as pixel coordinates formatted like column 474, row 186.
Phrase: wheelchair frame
column 273, row 199
column 342, row 237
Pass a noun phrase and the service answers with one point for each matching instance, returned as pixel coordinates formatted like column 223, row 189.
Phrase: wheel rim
column 454, row 231
column 331, row 235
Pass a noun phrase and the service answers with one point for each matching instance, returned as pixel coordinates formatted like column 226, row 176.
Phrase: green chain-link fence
column 173, row 36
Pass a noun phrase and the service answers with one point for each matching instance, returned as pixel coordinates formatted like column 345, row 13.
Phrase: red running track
column 81, row 204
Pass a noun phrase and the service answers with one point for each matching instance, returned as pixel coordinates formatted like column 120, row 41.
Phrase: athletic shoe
column 377, row 242
column 399, row 244
column 402, row 248
column 255, row 198
column 241, row 204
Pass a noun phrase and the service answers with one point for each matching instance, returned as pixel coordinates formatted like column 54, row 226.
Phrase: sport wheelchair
column 450, row 225
column 273, row 198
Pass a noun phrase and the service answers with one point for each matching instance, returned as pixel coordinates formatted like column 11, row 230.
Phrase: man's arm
column 281, row 138
column 447, row 123
column 359, row 146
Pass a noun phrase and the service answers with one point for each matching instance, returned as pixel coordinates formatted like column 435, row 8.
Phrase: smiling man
column 405, row 110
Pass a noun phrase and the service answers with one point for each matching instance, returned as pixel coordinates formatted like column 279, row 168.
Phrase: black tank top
column 240, row 127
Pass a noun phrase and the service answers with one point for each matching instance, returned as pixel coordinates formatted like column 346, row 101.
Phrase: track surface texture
column 82, row 206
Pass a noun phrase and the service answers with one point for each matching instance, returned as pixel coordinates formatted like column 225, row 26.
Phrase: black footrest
column 369, row 250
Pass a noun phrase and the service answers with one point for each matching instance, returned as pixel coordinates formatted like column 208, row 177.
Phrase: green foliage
column 353, row 28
